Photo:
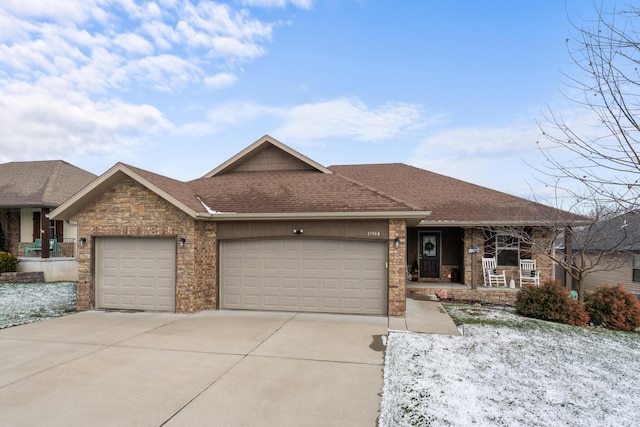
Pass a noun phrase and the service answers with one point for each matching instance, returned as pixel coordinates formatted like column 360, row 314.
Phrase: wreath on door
column 429, row 246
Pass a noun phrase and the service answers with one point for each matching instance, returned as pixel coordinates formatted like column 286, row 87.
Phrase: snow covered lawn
column 25, row 303
column 508, row 370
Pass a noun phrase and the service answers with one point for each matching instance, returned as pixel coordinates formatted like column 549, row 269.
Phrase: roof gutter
column 512, row 223
column 220, row 216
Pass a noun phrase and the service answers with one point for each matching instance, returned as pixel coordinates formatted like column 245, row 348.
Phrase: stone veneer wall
column 397, row 267
column 129, row 209
column 22, row 277
column 12, row 233
column 482, row 296
column 474, row 237
column 206, row 266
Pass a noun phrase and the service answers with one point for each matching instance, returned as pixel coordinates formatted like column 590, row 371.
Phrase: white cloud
column 164, row 72
column 342, row 118
column 134, row 44
column 483, row 156
column 220, row 81
column 302, row 4
column 239, row 112
column 162, row 35
column 74, row 11
column 480, row 142
column 174, row 43
column 67, row 68
column 224, row 117
column 349, row 118
column 35, row 123
column 223, row 32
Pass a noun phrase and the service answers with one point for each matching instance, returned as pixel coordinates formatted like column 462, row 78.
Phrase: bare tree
column 596, row 165
column 599, row 242
column 599, row 165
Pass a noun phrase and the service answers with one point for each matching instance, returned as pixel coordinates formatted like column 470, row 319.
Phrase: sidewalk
column 426, row 317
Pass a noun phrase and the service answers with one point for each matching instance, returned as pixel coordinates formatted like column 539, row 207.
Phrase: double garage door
column 136, row 273
column 313, row 275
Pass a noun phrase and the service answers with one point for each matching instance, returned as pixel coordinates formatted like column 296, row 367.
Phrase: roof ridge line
column 46, row 193
column 380, row 192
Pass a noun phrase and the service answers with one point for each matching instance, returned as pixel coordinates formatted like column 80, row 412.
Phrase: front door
column 430, row 255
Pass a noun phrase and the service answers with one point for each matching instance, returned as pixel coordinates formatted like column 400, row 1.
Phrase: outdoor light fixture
column 181, row 241
column 298, row 231
column 396, row 242
column 83, row 240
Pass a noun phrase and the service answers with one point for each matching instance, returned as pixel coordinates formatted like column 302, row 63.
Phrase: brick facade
column 129, row 209
column 474, row 238
column 397, row 267
column 12, row 232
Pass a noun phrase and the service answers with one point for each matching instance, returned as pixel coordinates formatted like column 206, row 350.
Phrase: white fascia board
column 312, row 215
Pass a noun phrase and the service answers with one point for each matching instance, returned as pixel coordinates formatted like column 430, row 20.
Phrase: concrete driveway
column 215, row 368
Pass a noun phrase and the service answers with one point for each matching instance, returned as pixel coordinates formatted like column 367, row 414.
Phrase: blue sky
column 177, row 87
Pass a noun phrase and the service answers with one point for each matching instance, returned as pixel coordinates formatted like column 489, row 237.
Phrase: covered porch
column 23, row 229
column 450, row 257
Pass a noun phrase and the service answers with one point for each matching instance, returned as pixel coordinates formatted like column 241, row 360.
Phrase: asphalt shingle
column 41, row 183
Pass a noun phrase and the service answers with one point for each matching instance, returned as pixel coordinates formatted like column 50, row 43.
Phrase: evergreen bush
column 550, row 302
column 614, row 308
column 8, row 262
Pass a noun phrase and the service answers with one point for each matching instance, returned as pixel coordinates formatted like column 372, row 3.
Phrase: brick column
column 397, row 267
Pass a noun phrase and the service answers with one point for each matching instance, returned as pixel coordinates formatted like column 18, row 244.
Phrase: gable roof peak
column 267, row 154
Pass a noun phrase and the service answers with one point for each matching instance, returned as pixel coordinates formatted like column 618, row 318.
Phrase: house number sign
column 373, row 233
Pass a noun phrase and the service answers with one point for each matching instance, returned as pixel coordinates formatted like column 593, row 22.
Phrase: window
column 636, row 268
column 508, row 249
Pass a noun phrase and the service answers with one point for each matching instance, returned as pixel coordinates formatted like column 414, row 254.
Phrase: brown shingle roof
column 450, row 199
column 290, row 191
column 179, row 190
column 261, row 182
column 41, row 183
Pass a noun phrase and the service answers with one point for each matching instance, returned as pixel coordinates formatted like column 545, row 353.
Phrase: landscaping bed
column 22, row 303
column 509, row 370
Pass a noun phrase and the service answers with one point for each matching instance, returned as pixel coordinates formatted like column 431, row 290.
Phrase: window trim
column 512, row 245
column 635, row 268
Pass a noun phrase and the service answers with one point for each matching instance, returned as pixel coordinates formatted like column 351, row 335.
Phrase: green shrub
column 614, row 308
column 8, row 262
column 550, row 302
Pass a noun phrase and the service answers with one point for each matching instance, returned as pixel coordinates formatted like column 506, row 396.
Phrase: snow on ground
column 508, row 370
column 25, row 303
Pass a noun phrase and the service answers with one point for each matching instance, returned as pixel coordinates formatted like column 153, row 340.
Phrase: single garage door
column 136, row 273
column 329, row 276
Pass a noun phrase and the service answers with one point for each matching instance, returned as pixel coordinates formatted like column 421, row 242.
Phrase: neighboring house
column 28, row 191
column 613, row 248
column 271, row 229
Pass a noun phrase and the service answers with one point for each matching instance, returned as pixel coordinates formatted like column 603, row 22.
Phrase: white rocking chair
column 491, row 275
column 528, row 272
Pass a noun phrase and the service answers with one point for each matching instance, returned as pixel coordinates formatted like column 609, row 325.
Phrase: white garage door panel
column 304, row 275
column 135, row 273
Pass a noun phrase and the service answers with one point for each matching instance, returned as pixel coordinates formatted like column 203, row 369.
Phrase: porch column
column 44, row 226
column 397, row 267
